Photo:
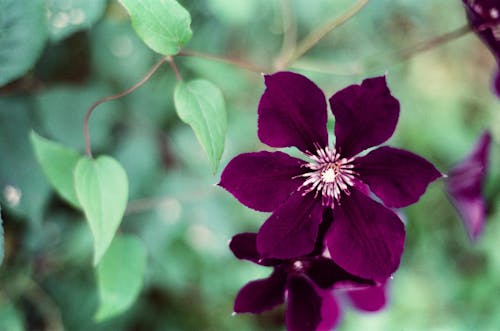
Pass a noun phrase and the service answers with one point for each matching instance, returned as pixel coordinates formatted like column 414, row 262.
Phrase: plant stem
column 289, row 35
column 239, row 63
column 86, row 133
column 406, row 54
column 315, row 36
column 174, row 68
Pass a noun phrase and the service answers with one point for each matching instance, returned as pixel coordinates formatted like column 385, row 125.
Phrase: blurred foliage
column 184, row 220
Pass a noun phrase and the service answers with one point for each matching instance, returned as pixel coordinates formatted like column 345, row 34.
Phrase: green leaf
column 102, row 189
column 163, row 25
column 69, row 16
column 1, row 239
column 200, row 104
column 23, row 33
column 120, row 276
column 10, row 317
column 58, row 163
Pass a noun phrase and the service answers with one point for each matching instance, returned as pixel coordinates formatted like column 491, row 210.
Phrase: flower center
column 330, row 176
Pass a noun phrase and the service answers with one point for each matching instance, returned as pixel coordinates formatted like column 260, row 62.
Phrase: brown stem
column 86, row 133
column 174, row 68
column 239, row 63
column 289, row 34
column 315, row 36
column 406, row 54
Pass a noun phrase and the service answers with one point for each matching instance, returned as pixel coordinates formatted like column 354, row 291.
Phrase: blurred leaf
column 1, row 239
column 163, row 25
column 24, row 189
column 68, row 16
column 62, row 110
column 58, row 163
column 120, row 276
column 200, row 104
column 102, row 189
column 10, row 318
column 23, row 34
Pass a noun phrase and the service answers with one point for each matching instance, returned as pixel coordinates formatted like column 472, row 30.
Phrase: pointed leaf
column 120, row 276
column 58, row 163
column 200, row 104
column 102, row 189
column 23, row 32
column 163, row 25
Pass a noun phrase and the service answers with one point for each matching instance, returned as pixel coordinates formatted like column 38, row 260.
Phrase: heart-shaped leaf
column 200, row 104
column 164, row 25
column 58, row 163
column 120, row 276
column 102, row 189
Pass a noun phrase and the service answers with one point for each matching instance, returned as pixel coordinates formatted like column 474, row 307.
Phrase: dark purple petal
column 396, row 176
column 303, row 309
column 325, row 273
column 261, row 295
column 368, row 299
column 292, row 112
column 484, row 18
column 244, row 246
column 365, row 115
column 465, row 186
column 291, row 231
column 365, row 238
column 262, row 180
column 330, row 311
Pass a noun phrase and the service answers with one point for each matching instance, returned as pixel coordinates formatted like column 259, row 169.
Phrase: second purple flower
column 365, row 238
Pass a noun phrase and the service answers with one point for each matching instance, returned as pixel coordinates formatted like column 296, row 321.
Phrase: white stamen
column 331, row 175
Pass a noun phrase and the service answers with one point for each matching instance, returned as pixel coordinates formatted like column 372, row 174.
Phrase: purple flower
column 465, row 186
column 305, row 284
column 365, row 237
column 484, row 18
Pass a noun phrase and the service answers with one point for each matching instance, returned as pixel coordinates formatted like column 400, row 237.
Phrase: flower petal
column 330, row 312
column 465, row 186
column 368, row 299
column 262, row 180
column 325, row 273
column 496, row 83
column 261, row 295
column 292, row 112
column 244, row 246
column 365, row 115
column 396, row 176
column 303, row 310
column 291, row 231
column 484, row 22
column 365, row 238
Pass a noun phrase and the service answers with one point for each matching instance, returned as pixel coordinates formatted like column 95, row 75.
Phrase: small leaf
column 164, row 25
column 102, row 189
column 1, row 239
column 58, row 163
column 200, row 104
column 68, row 16
column 120, row 276
column 23, row 32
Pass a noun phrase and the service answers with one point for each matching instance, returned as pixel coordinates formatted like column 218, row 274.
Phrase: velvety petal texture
column 396, row 176
column 330, row 311
column 262, row 180
column 292, row 112
column 465, row 186
column 484, row 18
column 244, row 246
column 261, row 295
column 369, row 299
column 303, row 311
column 325, row 273
column 365, row 115
column 496, row 83
column 291, row 231
column 366, row 238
